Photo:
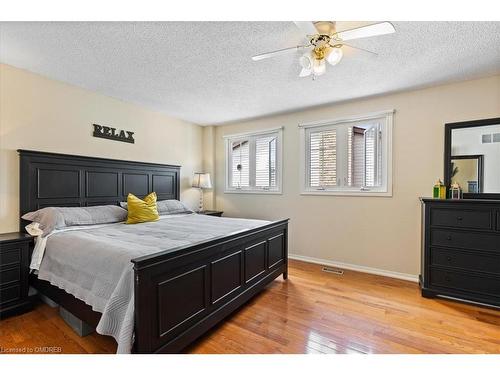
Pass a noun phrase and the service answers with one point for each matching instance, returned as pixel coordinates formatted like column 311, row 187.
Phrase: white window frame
column 252, row 189
column 386, row 121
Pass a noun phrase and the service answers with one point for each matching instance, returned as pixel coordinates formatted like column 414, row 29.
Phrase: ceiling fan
column 325, row 44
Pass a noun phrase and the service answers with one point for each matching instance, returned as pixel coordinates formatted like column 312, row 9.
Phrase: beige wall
column 209, row 164
column 376, row 232
column 37, row 113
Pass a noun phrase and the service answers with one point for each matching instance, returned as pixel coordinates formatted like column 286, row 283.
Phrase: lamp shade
column 202, row 180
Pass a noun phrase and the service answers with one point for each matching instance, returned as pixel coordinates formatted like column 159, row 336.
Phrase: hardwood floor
column 311, row 312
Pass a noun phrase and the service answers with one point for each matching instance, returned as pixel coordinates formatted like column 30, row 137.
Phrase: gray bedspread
column 94, row 264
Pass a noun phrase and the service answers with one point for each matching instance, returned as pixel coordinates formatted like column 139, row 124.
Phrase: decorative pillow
column 172, row 206
column 140, row 211
column 51, row 218
column 48, row 218
column 168, row 207
column 92, row 215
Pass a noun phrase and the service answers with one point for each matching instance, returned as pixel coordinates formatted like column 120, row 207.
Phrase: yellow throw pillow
column 140, row 211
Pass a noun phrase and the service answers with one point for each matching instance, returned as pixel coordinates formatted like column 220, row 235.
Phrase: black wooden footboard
column 182, row 293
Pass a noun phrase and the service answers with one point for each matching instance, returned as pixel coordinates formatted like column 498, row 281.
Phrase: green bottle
column 439, row 190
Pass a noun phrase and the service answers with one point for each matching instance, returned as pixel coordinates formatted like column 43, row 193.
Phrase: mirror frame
column 448, row 128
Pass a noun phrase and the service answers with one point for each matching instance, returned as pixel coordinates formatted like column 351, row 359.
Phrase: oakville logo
column 113, row 134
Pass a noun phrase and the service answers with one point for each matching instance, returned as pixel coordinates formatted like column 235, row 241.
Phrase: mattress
column 93, row 263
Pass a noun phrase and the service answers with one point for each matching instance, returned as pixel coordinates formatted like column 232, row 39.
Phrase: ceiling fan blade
column 365, row 52
column 307, row 27
column 278, row 52
column 380, row 28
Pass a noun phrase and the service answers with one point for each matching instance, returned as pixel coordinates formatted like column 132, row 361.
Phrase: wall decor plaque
column 114, row 134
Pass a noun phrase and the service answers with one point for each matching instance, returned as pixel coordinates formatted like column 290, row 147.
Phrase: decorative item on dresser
column 211, row 213
column 461, row 249
column 14, row 271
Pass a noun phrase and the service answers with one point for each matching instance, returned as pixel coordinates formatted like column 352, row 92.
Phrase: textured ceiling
column 202, row 72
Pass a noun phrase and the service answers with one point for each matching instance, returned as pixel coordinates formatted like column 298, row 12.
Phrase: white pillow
column 51, row 218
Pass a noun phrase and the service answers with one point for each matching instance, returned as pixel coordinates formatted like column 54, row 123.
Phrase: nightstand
column 14, row 271
column 211, row 213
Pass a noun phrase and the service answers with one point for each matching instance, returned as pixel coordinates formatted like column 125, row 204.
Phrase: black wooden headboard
column 48, row 179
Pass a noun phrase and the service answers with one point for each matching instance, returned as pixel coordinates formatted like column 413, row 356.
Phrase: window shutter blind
column 373, row 157
column 240, row 164
column 265, row 163
column 355, row 156
column 370, row 157
column 323, row 158
column 378, row 138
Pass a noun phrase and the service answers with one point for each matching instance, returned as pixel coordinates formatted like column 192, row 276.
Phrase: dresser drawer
column 462, row 218
column 10, row 294
column 10, row 255
column 471, row 283
column 474, row 261
column 465, row 240
column 9, row 276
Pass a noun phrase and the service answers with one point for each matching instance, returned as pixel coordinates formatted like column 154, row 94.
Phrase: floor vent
column 336, row 271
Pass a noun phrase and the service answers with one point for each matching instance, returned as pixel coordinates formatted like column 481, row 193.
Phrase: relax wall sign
column 107, row 132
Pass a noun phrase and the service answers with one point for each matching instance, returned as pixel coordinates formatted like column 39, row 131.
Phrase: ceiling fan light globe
column 305, row 61
column 334, row 56
column 305, row 72
column 319, row 67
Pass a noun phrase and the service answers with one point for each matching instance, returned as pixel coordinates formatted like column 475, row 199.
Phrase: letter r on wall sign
column 97, row 128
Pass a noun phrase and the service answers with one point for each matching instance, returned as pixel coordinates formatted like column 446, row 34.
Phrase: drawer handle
column 449, row 237
column 459, row 218
column 449, row 259
column 447, row 278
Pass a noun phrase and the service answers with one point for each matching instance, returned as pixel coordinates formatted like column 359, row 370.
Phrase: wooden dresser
column 461, row 249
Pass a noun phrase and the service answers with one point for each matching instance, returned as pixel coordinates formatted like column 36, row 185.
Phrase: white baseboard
column 354, row 267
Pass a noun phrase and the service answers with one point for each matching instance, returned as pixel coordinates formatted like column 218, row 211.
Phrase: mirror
column 472, row 157
column 467, row 170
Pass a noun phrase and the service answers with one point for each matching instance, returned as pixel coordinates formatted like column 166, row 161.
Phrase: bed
column 184, row 288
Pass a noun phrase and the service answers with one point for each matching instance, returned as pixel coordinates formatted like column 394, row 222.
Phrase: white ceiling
column 201, row 72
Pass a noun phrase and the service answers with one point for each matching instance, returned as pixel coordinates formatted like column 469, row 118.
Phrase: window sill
column 263, row 192
column 348, row 193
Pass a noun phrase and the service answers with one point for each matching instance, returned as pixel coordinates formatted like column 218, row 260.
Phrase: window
column 349, row 156
column 253, row 162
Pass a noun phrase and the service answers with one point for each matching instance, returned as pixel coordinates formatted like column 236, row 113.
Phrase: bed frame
column 179, row 293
